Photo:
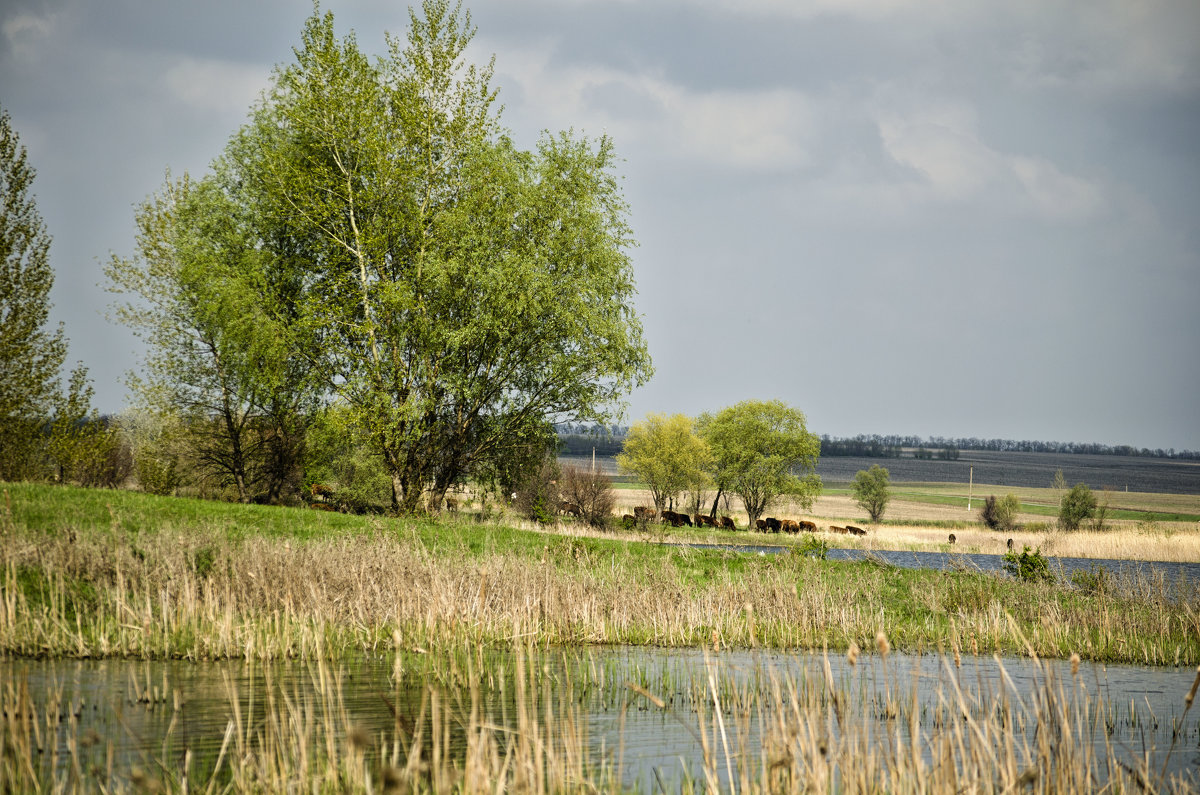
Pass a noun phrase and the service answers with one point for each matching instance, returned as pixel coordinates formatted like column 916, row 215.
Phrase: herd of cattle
column 769, row 525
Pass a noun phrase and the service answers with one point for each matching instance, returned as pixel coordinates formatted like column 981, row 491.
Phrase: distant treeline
column 608, row 440
column 877, row 446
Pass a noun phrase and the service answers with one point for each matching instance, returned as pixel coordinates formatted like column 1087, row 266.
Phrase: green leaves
column 667, row 455
column 762, row 450
column 871, row 491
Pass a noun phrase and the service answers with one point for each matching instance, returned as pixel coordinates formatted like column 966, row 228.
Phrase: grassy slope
column 91, row 573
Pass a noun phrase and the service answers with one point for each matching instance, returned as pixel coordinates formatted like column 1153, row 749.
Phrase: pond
column 650, row 715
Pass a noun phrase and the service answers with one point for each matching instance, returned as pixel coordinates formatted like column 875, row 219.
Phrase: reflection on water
column 139, row 713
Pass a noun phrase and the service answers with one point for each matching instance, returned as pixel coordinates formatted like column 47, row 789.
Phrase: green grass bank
column 90, row 573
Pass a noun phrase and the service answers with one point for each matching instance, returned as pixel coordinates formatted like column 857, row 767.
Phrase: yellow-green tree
column 666, row 454
column 763, row 450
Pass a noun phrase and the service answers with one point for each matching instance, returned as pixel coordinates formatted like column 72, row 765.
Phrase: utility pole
column 970, row 489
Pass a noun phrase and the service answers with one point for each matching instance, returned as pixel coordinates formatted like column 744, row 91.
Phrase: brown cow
column 727, row 523
column 855, row 531
column 1010, row 545
column 704, row 521
column 807, row 525
column 952, row 539
column 789, row 526
column 643, row 512
column 570, row 507
column 836, row 529
column 760, row 525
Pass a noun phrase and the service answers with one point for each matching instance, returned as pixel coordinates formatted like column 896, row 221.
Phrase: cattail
column 1074, row 664
column 852, row 654
column 881, row 643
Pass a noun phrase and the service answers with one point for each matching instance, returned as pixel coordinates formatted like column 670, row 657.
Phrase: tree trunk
column 716, row 500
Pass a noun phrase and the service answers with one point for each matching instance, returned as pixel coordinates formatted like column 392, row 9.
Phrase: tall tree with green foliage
column 763, row 450
column 666, row 454
column 203, row 291
column 871, row 490
column 31, row 356
column 459, row 290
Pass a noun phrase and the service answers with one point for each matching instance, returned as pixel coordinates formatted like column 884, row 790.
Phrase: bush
column 1029, row 565
column 592, row 492
column 537, row 496
column 157, row 476
column 1091, row 581
column 1000, row 514
column 1077, row 506
column 813, row 547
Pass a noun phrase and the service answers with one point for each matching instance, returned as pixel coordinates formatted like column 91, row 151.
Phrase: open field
column 921, row 516
column 100, row 573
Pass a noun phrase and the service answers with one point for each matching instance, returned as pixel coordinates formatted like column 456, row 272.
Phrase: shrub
column 1030, row 565
column 1000, row 514
column 1091, row 581
column 591, row 491
column 813, row 547
column 1077, row 505
column 158, row 477
column 537, row 496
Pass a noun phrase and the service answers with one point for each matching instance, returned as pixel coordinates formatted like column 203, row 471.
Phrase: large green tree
column 30, row 354
column 762, row 450
column 872, row 491
column 204, row 291
column 666, row 454
column 459, row 290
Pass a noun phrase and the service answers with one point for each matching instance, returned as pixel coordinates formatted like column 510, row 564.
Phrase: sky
column 919, row 217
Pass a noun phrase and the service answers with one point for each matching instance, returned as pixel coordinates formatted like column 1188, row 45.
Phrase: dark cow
column 952, row 539
column 451, row 505
column 1010, row 545
column 320, row 492
column 570, row 507
column 705, row 521
column 773, row 524
column 727, row 523
column 855, row 531
column 676, row 519
column 760, row 525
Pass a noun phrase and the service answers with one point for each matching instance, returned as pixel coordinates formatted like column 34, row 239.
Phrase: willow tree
column 666, row 454
column 459, row 290
column 30, row 353
column 763, row 450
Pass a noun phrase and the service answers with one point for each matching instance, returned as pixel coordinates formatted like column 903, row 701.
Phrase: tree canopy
column 666, row 454
column 449, row 291
column 871, row 491
column 31, row 355
column 763, row 450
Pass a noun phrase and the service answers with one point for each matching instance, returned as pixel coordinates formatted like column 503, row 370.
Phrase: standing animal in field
column 773, row 524
column 727, row 523
column 570, row 508
column 789, row 526
column 760, row 525
column 836, row 529
column 1010, row 545
column 451, row 505
column 643, row 512
column 855, row 531
column 807, row 525
column 952, row 539
column 704, row 521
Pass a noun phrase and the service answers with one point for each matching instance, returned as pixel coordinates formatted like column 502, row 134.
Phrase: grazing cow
column 570, row 507
column 705, row 521
column 789, row 526
column 807, row 525
column 773, row 524
column 676, row 519
column 727, row 523
column 684, row 519
column 836, row 529
column 451, row 505
column 320, row 492
column 952, row 539
column 855, row 531
column 1010, row 545
column 760, row 525
column 642, row 512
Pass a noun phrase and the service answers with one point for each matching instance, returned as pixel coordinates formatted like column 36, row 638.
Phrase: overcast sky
column 931, row 218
